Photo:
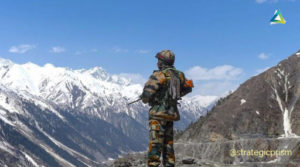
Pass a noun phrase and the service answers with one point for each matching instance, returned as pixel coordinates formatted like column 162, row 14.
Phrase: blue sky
column 219, row 43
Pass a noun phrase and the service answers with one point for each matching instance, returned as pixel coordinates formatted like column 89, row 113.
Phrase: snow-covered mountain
column 59, row 116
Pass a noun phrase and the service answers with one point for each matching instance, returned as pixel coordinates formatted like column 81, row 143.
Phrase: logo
column 277, row 18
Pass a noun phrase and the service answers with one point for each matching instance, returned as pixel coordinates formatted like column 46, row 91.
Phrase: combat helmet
column 167, row 56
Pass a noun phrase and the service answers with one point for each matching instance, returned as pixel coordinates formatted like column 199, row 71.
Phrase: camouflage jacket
column 155, row 93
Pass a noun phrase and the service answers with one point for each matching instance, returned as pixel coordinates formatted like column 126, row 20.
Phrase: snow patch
column 30, row 160
column 7, row 104
column 4, row 119
column 243, row 101
column 287, row 123
column 6, row 147
column 276, row 160
column 56, row 156
column 44, row 106
column 286, row 110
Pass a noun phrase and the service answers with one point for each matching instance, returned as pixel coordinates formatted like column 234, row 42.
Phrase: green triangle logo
column 277, row 18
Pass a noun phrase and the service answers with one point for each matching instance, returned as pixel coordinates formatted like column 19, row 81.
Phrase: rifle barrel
column 134, row 101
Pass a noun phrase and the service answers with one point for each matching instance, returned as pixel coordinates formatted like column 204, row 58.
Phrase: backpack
column 174, row 83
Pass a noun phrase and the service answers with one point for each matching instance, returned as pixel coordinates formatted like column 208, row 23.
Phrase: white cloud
column 57, row 49
column 119, row 50
column 21, row 48
column 263, row 1
column 134, row 78
column 142, row 51
column 263, row 56
column 216, row 81
column 224, row 72
column 215, row 88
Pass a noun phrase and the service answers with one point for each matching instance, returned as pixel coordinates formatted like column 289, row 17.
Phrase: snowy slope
column 76, row 116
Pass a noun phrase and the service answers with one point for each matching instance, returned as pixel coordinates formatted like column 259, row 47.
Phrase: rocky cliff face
column 266, row 105
column 261, row 115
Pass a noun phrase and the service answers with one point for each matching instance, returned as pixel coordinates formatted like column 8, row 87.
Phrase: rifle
column 134, row 101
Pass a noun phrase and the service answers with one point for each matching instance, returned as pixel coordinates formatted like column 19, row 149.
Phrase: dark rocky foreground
column 218, row 154
column 139, row 160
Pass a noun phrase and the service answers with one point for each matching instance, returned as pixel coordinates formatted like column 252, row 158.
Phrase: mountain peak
column 5, row 62
column 96, row 72
column 49, row 65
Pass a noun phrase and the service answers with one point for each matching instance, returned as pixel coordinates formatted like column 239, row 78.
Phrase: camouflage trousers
column 161, row 142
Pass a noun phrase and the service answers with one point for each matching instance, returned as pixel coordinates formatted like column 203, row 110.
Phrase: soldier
column 162, row 91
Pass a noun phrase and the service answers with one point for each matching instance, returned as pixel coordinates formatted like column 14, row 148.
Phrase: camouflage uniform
column 162, row 113
column 161, row 141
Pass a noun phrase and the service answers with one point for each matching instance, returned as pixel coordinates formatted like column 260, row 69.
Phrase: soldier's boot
column 155, row 144
column 154, row 155
column 168, row 150
column 169, row 157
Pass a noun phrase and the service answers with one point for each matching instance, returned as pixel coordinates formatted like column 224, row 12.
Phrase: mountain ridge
column 69, row 113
